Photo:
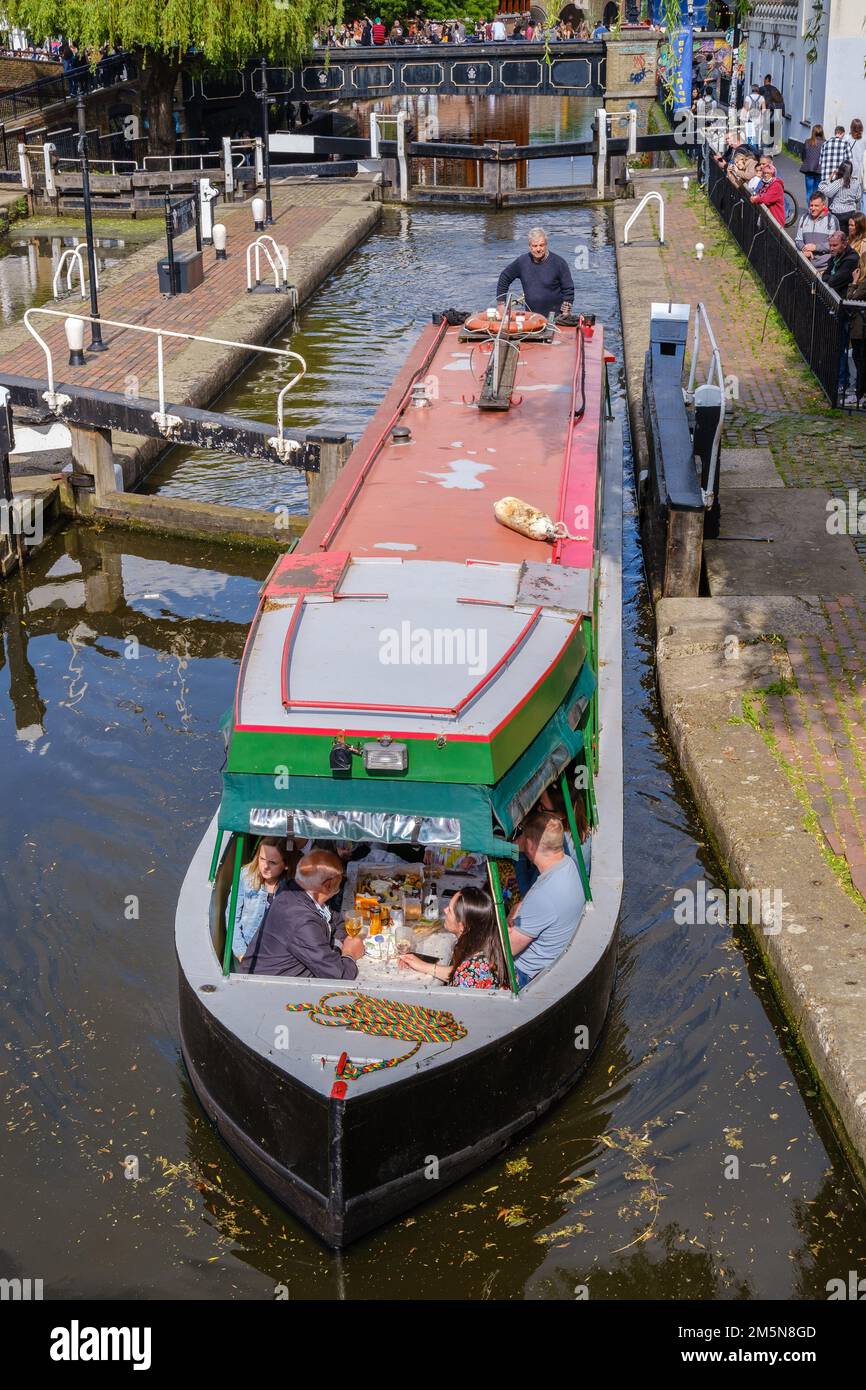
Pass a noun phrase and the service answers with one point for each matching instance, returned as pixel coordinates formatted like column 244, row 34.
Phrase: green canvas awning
column 402, row 812
column 516, row 793
column 443, row 813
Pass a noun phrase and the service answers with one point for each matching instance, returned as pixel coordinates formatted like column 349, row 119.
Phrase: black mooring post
column 169, row 241
column 196, row 199
column 269, row 211
column 96, row 343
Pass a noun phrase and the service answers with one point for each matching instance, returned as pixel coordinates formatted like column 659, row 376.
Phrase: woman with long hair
column 262, row 877
column 478, row 961
column 842, row 193
column 811, row 165
column 857, row 328
column 856, row 230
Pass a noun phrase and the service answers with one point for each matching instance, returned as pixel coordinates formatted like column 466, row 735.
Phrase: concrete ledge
column 197, row 520
column 817, row 961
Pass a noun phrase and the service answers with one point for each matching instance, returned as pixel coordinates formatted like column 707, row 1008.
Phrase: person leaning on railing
column 812, row 238
column 843, row 265
column 771, row 194
column 857, row 329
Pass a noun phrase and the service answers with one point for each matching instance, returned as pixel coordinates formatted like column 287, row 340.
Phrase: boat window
column 523, row 801
column 356, row 826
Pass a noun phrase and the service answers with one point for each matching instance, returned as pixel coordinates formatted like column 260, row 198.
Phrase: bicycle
column 792, row 210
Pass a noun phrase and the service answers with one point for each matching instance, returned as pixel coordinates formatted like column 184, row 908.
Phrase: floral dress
column 475, row 972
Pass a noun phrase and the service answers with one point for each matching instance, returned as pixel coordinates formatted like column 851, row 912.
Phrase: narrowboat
column 419, row 669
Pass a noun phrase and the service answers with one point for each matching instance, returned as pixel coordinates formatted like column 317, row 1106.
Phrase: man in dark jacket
column 842, row 264
column 297, row 936
column 545, row 277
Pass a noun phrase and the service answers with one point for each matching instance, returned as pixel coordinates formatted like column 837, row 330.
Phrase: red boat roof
column 432, row 497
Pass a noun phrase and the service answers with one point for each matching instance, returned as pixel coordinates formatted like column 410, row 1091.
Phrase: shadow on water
column 119, row 658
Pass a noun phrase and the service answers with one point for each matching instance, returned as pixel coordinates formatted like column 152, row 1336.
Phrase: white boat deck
column 420, row 642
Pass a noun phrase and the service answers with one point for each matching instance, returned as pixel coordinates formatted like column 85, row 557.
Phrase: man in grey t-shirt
column 542, row 925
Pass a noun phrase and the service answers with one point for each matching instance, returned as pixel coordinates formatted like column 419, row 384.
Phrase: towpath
column 319, row 223
column 763, row 682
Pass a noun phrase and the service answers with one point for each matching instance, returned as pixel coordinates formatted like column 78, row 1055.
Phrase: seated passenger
column 553, row 801
column 297, row 936
column 541, row 926
column 261, row 878
column 478, row 961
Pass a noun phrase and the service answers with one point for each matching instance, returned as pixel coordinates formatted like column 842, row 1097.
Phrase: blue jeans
column 522, row 979
column 812, row 181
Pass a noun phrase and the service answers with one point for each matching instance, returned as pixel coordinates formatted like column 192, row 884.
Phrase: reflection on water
column 477, row 120
column 118, row 657
column 28, row 264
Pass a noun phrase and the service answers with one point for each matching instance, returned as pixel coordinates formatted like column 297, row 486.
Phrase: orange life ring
column 532, row 323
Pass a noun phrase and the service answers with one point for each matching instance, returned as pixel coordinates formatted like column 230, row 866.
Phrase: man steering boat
column 544, row 276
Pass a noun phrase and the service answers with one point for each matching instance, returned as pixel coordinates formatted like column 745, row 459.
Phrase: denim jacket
column 250, row 912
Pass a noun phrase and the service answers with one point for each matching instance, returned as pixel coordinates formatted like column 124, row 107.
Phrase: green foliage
column 226, row 32
column 812, row 32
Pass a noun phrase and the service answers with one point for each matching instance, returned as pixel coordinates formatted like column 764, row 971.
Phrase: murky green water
column 119, row 657
column 28, row 265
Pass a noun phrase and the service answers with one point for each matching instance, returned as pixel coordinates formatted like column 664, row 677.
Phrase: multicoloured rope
column 384, row 1018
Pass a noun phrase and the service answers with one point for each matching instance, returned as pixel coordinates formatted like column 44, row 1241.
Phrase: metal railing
column 100, row 166
column 166, row 423
column 72, row 254
column 65, row 86
column 167, row 163
column 812, row 311
column 274, row 259
column 639, row 209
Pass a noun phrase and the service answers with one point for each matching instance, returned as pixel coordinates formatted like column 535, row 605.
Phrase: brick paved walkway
column 138, row 300
column 818, row 726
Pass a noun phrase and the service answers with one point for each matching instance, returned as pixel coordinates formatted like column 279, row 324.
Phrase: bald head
column 320, row 873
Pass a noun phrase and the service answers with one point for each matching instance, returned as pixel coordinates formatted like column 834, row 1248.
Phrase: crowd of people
column 288, row 919
column 830, row 234
column 370, row 32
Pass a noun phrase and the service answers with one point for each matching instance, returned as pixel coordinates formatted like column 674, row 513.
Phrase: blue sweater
column 546, row 284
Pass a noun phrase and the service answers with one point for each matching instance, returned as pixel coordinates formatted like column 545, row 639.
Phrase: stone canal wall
column 762, row 682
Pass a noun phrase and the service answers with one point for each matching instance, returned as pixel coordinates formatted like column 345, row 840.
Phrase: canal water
column 28, row 265
column 693, row 1162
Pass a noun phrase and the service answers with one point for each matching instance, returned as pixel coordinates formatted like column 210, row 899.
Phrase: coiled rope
column 383, row 1018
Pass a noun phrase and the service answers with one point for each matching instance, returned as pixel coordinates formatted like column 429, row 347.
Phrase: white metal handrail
column 126, row 165
column 74, row 255
column 653, row 193
column 715, row 369
column 278, row 266
column 282, row 447
column 197, row 160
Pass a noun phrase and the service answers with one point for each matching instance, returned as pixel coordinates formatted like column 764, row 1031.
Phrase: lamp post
column 96, row 343
column 265, row 151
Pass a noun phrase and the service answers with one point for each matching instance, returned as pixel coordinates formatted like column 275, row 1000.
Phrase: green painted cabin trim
column 481, row 761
